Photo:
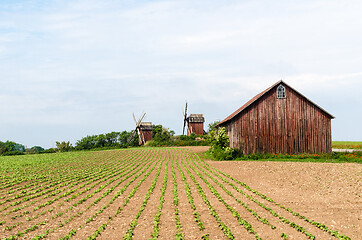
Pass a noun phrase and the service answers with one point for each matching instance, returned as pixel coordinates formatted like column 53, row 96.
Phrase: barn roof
column 254, row 99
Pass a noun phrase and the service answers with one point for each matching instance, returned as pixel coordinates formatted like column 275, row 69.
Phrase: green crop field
column 145, row 193
column 347, row 145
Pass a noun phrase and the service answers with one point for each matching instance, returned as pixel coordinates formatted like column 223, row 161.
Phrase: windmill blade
column 183, row 130
column 186, row 110
column 189, row 130
column 134, row 118
column 133, row 134
column 142, row 138
column 143, row 116
column 138, row 123
column 183, row 113
column 185, row 119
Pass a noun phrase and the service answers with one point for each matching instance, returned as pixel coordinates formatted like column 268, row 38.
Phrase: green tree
column 36, row 149
column 3, row 148
column 19, row 147
column 100, row 140
column 10, row 146
column 86, row 143
column 156, row 129
column 64, row 146
column 112, row 139
column 213, row 126
column 161, row 134
column 125, row 141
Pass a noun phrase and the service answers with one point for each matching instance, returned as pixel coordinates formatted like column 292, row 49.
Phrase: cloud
column 87, row 65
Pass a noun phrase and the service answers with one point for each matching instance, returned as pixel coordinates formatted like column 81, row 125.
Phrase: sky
column 74, row 68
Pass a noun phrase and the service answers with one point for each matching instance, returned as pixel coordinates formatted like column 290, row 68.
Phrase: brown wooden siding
column 147, row 134
column 288, row 125
column 195, row 127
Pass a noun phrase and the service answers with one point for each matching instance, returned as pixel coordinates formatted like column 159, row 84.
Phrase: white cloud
column 90, row 64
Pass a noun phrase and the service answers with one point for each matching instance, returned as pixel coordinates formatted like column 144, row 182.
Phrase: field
column 346, row 145
column 170, row 193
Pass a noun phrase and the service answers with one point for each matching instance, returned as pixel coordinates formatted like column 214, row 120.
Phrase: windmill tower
column 194, row 122
column 144, row 130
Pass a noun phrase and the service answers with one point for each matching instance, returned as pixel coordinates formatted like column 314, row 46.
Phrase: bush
column 220, row 149
column 12, row 153
column 64, row 146
column 50, row 150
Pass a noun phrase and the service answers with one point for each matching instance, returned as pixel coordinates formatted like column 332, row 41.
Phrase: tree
column 64, row 146
column 100, row 140
column 36, row 149
column 161, row 134
column 3, row 148
column 86, row 143
column 10, row 146
column 212, row 126
column 124, row 137
column 112, row 139
column 19, row 147
column 156, row 129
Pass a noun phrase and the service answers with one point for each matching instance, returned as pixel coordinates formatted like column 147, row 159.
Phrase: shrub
column 12, row 153
column 220, row 149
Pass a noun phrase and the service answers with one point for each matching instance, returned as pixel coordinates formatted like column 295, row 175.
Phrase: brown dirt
column 329, row 193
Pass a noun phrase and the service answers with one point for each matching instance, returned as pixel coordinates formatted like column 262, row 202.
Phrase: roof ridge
column 256, row 97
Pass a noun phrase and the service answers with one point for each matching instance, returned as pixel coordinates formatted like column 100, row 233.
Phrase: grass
column 347, row 144
column 335, row 157
column 302, row 160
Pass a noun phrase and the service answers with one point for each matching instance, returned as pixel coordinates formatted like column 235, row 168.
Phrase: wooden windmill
column 194, row 122
column 144, row 130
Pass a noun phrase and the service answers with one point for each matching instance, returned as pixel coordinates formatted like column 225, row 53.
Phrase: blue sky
column 74, row 68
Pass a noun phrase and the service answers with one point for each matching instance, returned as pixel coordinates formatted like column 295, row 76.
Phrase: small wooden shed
column 145, row 132
column 195, row 124
column 280, row 120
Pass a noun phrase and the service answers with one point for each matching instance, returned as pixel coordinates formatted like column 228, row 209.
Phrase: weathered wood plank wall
column 285, row 125
column 147, row 134
column 195, row 127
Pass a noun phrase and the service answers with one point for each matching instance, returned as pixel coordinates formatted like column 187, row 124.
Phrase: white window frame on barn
column 281, row 91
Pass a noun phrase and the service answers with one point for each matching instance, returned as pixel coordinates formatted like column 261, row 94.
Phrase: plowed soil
column 117, row 194
column 329, row 193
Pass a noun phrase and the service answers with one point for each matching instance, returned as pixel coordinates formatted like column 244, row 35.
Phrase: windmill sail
column 137, row 129
column 185, row 119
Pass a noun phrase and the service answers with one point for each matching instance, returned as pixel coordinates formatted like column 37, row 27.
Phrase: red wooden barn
column 145, row 132
column 280, row 120
column 195, row 124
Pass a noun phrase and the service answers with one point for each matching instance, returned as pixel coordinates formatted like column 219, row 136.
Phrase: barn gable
column 279, row 120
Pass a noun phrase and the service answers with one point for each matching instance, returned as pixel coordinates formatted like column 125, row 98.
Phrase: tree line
column 100, row 141
column 12, row 148
column 161, row 137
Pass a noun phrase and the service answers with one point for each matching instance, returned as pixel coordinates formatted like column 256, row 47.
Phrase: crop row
column 301, row 229
column 119, row 172
column 89, row 193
